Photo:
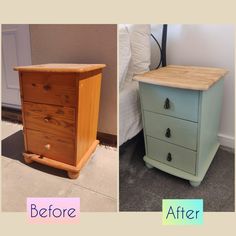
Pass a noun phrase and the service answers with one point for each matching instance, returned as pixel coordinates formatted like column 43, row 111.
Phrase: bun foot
column 28, row 160
column 195, row 183
column 148, row 165
column 73, row 175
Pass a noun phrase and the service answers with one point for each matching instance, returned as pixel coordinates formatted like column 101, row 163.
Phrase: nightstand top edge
column 184, row 77
column 63, row 68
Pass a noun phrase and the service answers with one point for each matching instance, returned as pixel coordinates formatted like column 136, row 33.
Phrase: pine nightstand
column 181, row 112
column 60, row 105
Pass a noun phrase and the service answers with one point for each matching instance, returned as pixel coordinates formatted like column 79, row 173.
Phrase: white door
column 16, row 51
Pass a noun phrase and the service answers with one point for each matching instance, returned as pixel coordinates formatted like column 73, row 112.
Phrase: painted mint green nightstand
column 181, row 111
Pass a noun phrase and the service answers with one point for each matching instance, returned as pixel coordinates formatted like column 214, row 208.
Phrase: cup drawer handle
column 169, row 157
column 168, row 133
column 167, row 104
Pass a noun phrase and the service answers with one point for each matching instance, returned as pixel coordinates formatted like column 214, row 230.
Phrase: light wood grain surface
column 87, row 114
column 76, row 68
column 185, row 77
column 49, row 88
column 52, row 146
column 56, row 120
column 60, row 113
column 31, row 157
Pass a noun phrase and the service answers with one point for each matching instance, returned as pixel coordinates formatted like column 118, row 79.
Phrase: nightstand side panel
column 209, row 117
column 142, row 112
column 89, row 86
column 22, row 109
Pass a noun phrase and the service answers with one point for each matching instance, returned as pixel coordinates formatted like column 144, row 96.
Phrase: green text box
column 182, row 211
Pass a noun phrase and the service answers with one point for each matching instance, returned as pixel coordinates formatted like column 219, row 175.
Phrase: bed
column 134, row 58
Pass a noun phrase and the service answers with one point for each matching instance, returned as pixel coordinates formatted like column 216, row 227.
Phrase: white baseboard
column 11, row 105
column 225, row 140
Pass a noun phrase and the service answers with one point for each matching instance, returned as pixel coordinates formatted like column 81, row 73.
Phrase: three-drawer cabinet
column 181, row 112
column 60, row 105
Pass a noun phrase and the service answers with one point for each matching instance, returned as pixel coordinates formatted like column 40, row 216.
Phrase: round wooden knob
column 46, row 119
column 46, row 87
column 47, row 146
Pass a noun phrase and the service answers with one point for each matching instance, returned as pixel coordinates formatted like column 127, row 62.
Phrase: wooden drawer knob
column 47, row 146
column 46, row 87
column 47, row 119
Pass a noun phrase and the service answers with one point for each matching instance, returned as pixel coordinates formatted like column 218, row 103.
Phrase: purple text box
column 53, row 210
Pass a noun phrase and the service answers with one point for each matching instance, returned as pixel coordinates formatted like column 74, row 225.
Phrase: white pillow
column 140, row 36
column 124, row 53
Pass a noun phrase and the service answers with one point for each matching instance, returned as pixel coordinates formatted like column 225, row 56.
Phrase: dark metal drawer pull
column 169, row 158
column 168, row 134
column 167, row 104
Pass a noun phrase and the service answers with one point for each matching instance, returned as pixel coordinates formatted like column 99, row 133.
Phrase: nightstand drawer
column 51, row 146
column 49, row 88
column 174, row 102
column 170, row 129
column 172, row 155
column 51, row 119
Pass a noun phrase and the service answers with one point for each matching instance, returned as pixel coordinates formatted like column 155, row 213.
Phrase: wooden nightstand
column 60, row 105
column 181, row 112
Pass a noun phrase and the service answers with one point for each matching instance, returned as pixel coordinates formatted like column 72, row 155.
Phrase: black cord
column 162, row 47
column 159, row 46
column 163, row 44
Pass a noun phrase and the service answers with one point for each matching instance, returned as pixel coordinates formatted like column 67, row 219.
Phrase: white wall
column 82, row 43
column 204, row 45
column 15, row 52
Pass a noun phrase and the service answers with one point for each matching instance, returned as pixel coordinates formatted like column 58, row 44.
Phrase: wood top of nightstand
column 185, row 77
column 63, row 68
